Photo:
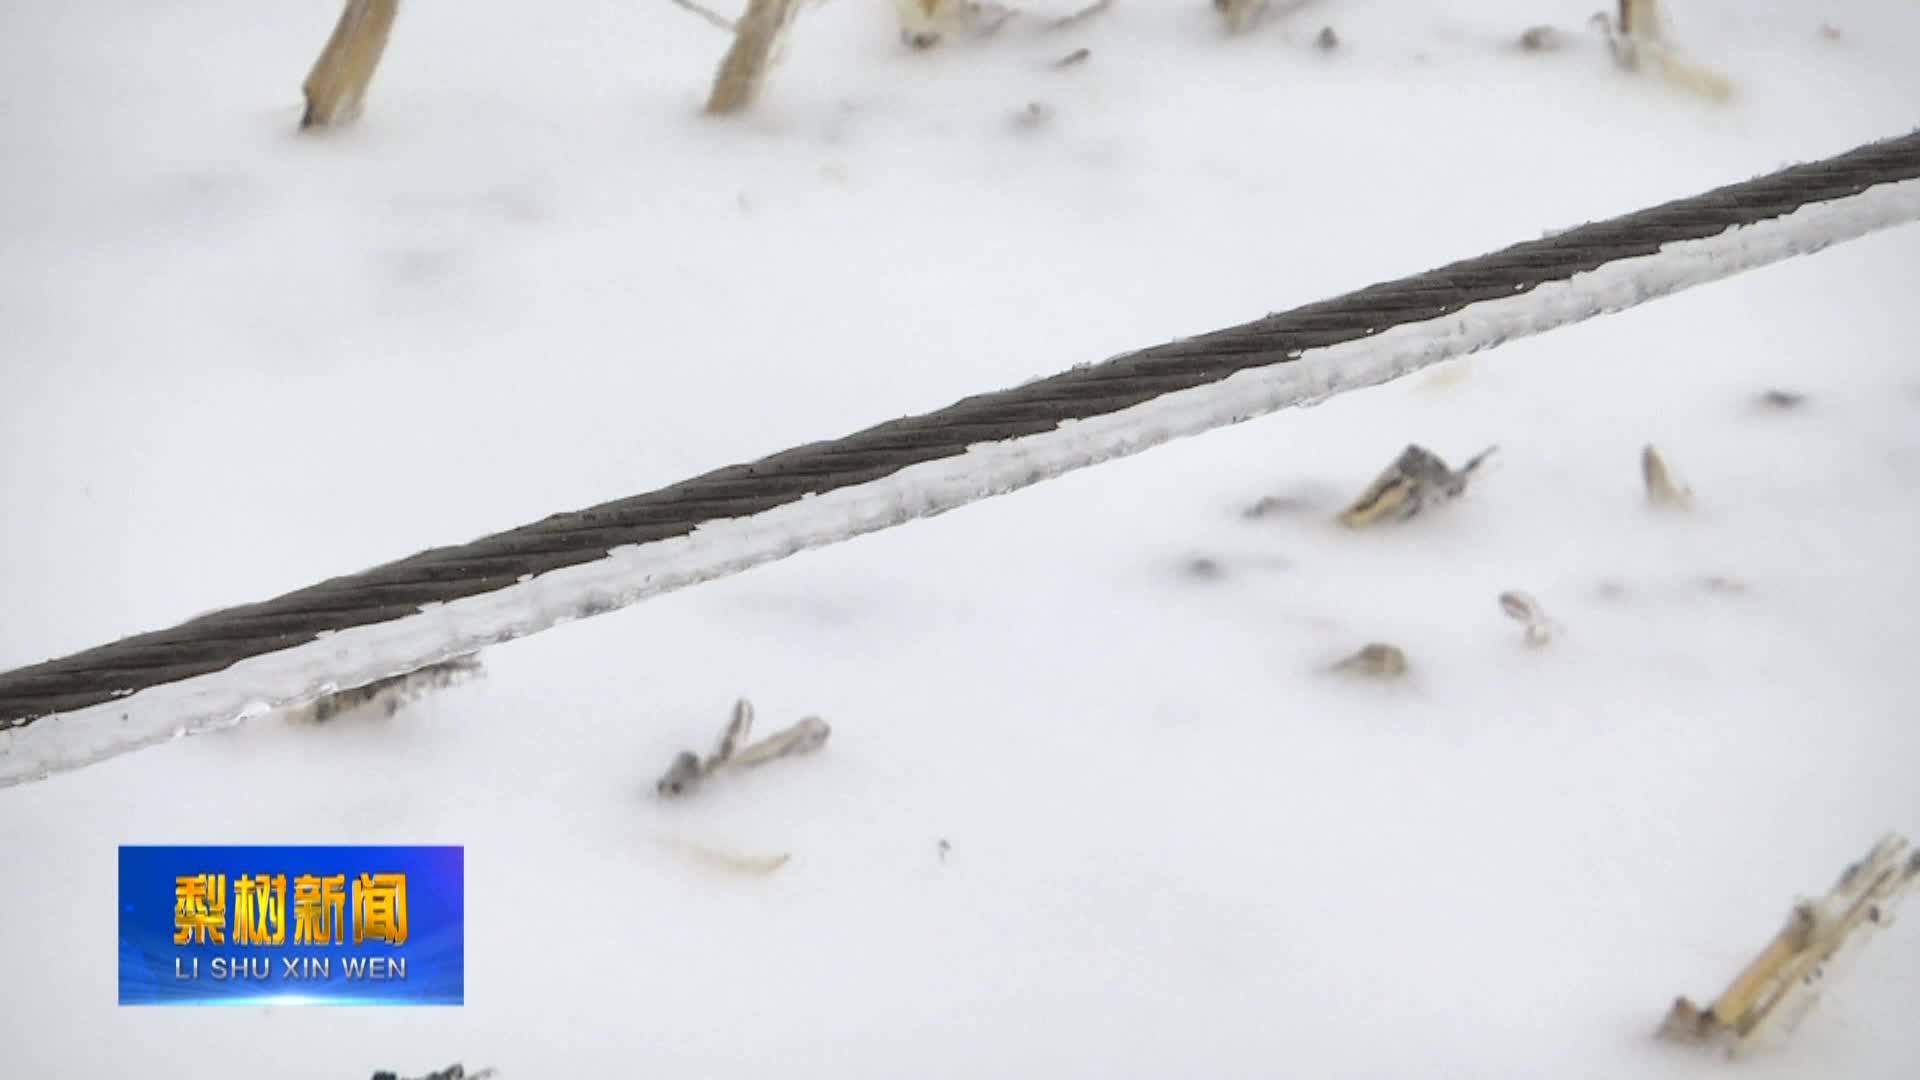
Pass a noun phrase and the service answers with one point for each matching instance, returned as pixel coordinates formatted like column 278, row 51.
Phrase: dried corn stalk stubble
column 1662, row 489
column 926, row 23
column 688, row 770
column 1638, row 43
column 1377, row 660
column 337, row 86
column 1416, row 480
column 1524, row 609
column 758, row 37
column 1242, row 16
column 1780, row 984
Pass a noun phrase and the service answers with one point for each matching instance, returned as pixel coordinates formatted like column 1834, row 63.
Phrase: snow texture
column 1086, row 811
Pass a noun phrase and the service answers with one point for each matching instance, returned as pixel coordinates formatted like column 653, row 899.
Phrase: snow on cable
column 898, row 478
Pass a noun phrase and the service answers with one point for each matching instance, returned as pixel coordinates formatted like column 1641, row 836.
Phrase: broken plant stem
column 337, row 86
column 1241, row 15
column 757, row 37
column 1637, row 41
column 711, row 16
column 733, row 736
column 926, row 23
column 1414, row 481
column 1068, row 22
column 733, row 862
column 1662, row 489
column 1377, row 660
column 1639, row 20
column 732, row 750
column 1244, row 15
column 1632, row 33
column 682, row 776
column 1782, row 982
column 1523, row 608
column 808, row 735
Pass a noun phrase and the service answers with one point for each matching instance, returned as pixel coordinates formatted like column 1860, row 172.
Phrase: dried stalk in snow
column 732, row 751
column 1638, row 41
column 1241, row 15
column 733, row 862
column 1662, row 489
column 681, row 777
column 1377, row 660
column 1639, row 20
column 926, row 23
column 707, row 14
column 1780, row 984
column 337, row 86
column 1699, row 81
column 757, row 38
column 1068, row 22
column 1524, row 609
column 1541, row 39
column 733, row 736
column 1414, row 481
column 808, row 735
column 1244, row 15
column 451, row 1072
column 390, row 695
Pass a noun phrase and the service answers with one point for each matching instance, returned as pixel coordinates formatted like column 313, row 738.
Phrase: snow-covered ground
column 234, row 361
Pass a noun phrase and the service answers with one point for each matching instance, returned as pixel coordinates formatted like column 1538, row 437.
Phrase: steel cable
column 398, row 589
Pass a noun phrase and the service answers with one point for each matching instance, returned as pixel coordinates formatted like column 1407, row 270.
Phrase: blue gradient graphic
column 155, row 971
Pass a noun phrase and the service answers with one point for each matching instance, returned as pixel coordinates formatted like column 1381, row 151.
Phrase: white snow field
column 234, row 361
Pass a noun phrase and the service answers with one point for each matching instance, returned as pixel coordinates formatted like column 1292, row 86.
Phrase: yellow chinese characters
column 260, row 909
column 380, row 908
column 318, row 909
column 200, row 909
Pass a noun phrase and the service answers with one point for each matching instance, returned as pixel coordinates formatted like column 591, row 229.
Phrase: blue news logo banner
column 292, row 925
